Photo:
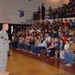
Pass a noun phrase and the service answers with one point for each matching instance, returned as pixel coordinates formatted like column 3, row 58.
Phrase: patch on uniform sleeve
column 1, row 37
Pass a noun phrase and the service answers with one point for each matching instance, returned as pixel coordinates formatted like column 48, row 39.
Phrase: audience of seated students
column 67, row 10
column 54, row 37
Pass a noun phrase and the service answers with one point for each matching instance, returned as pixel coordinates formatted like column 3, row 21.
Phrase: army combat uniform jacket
column 4, row 47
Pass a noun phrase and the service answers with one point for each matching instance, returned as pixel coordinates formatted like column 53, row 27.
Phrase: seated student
column 41, row 46
column 70, row 3
column 54, row 48
column 34, row 47
column 73, row 3
column 61, row 49
column 20, row 43
column 66, row 48
column 66, row 23
column 50, row 49
column 15, row 40
column 74, row 23
column 73, row 13
column 26, row 43
column 31, row 42
column 64, row 38
column 47, row 39
column 70, row 55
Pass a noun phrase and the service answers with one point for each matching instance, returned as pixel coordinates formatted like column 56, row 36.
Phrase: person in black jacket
column 43, row 11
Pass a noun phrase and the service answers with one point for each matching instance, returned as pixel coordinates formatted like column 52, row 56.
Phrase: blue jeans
column 69, row 58
column 25, row 46
column 33, row 48
column 39, row 49
column 66, row 56
column 20, row 45
column 72, row 59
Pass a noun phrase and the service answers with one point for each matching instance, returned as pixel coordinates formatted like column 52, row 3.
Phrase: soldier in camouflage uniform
column 4, row 47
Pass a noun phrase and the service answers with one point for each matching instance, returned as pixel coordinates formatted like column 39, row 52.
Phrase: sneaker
column 38, row 55
column 22, row 49
column 68, row 65
column 17, row 48
column 30, row 51
column 64, row 62
column 51, row 57
column 48, row 55
column 56, row 57
column 25, row 50
column 4, row 73
column 61, row 60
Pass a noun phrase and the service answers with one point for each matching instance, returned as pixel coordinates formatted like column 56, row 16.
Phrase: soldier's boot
column 4, row 73
column 7, row 73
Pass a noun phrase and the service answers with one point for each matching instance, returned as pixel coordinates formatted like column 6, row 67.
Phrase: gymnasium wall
column 9, row 9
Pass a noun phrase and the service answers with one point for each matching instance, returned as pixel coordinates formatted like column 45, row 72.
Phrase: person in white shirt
column 41, row 46
column 66, row 46
column 66, row 54
column 47, row 39
column 31, row 31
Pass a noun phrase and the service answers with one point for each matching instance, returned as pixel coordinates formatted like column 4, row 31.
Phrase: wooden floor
column 19, row 64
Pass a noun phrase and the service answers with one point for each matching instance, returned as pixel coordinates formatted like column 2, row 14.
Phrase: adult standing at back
column 43, row 11
column 4, row 47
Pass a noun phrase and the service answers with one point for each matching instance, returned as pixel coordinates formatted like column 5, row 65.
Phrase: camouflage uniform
column 4, row 47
